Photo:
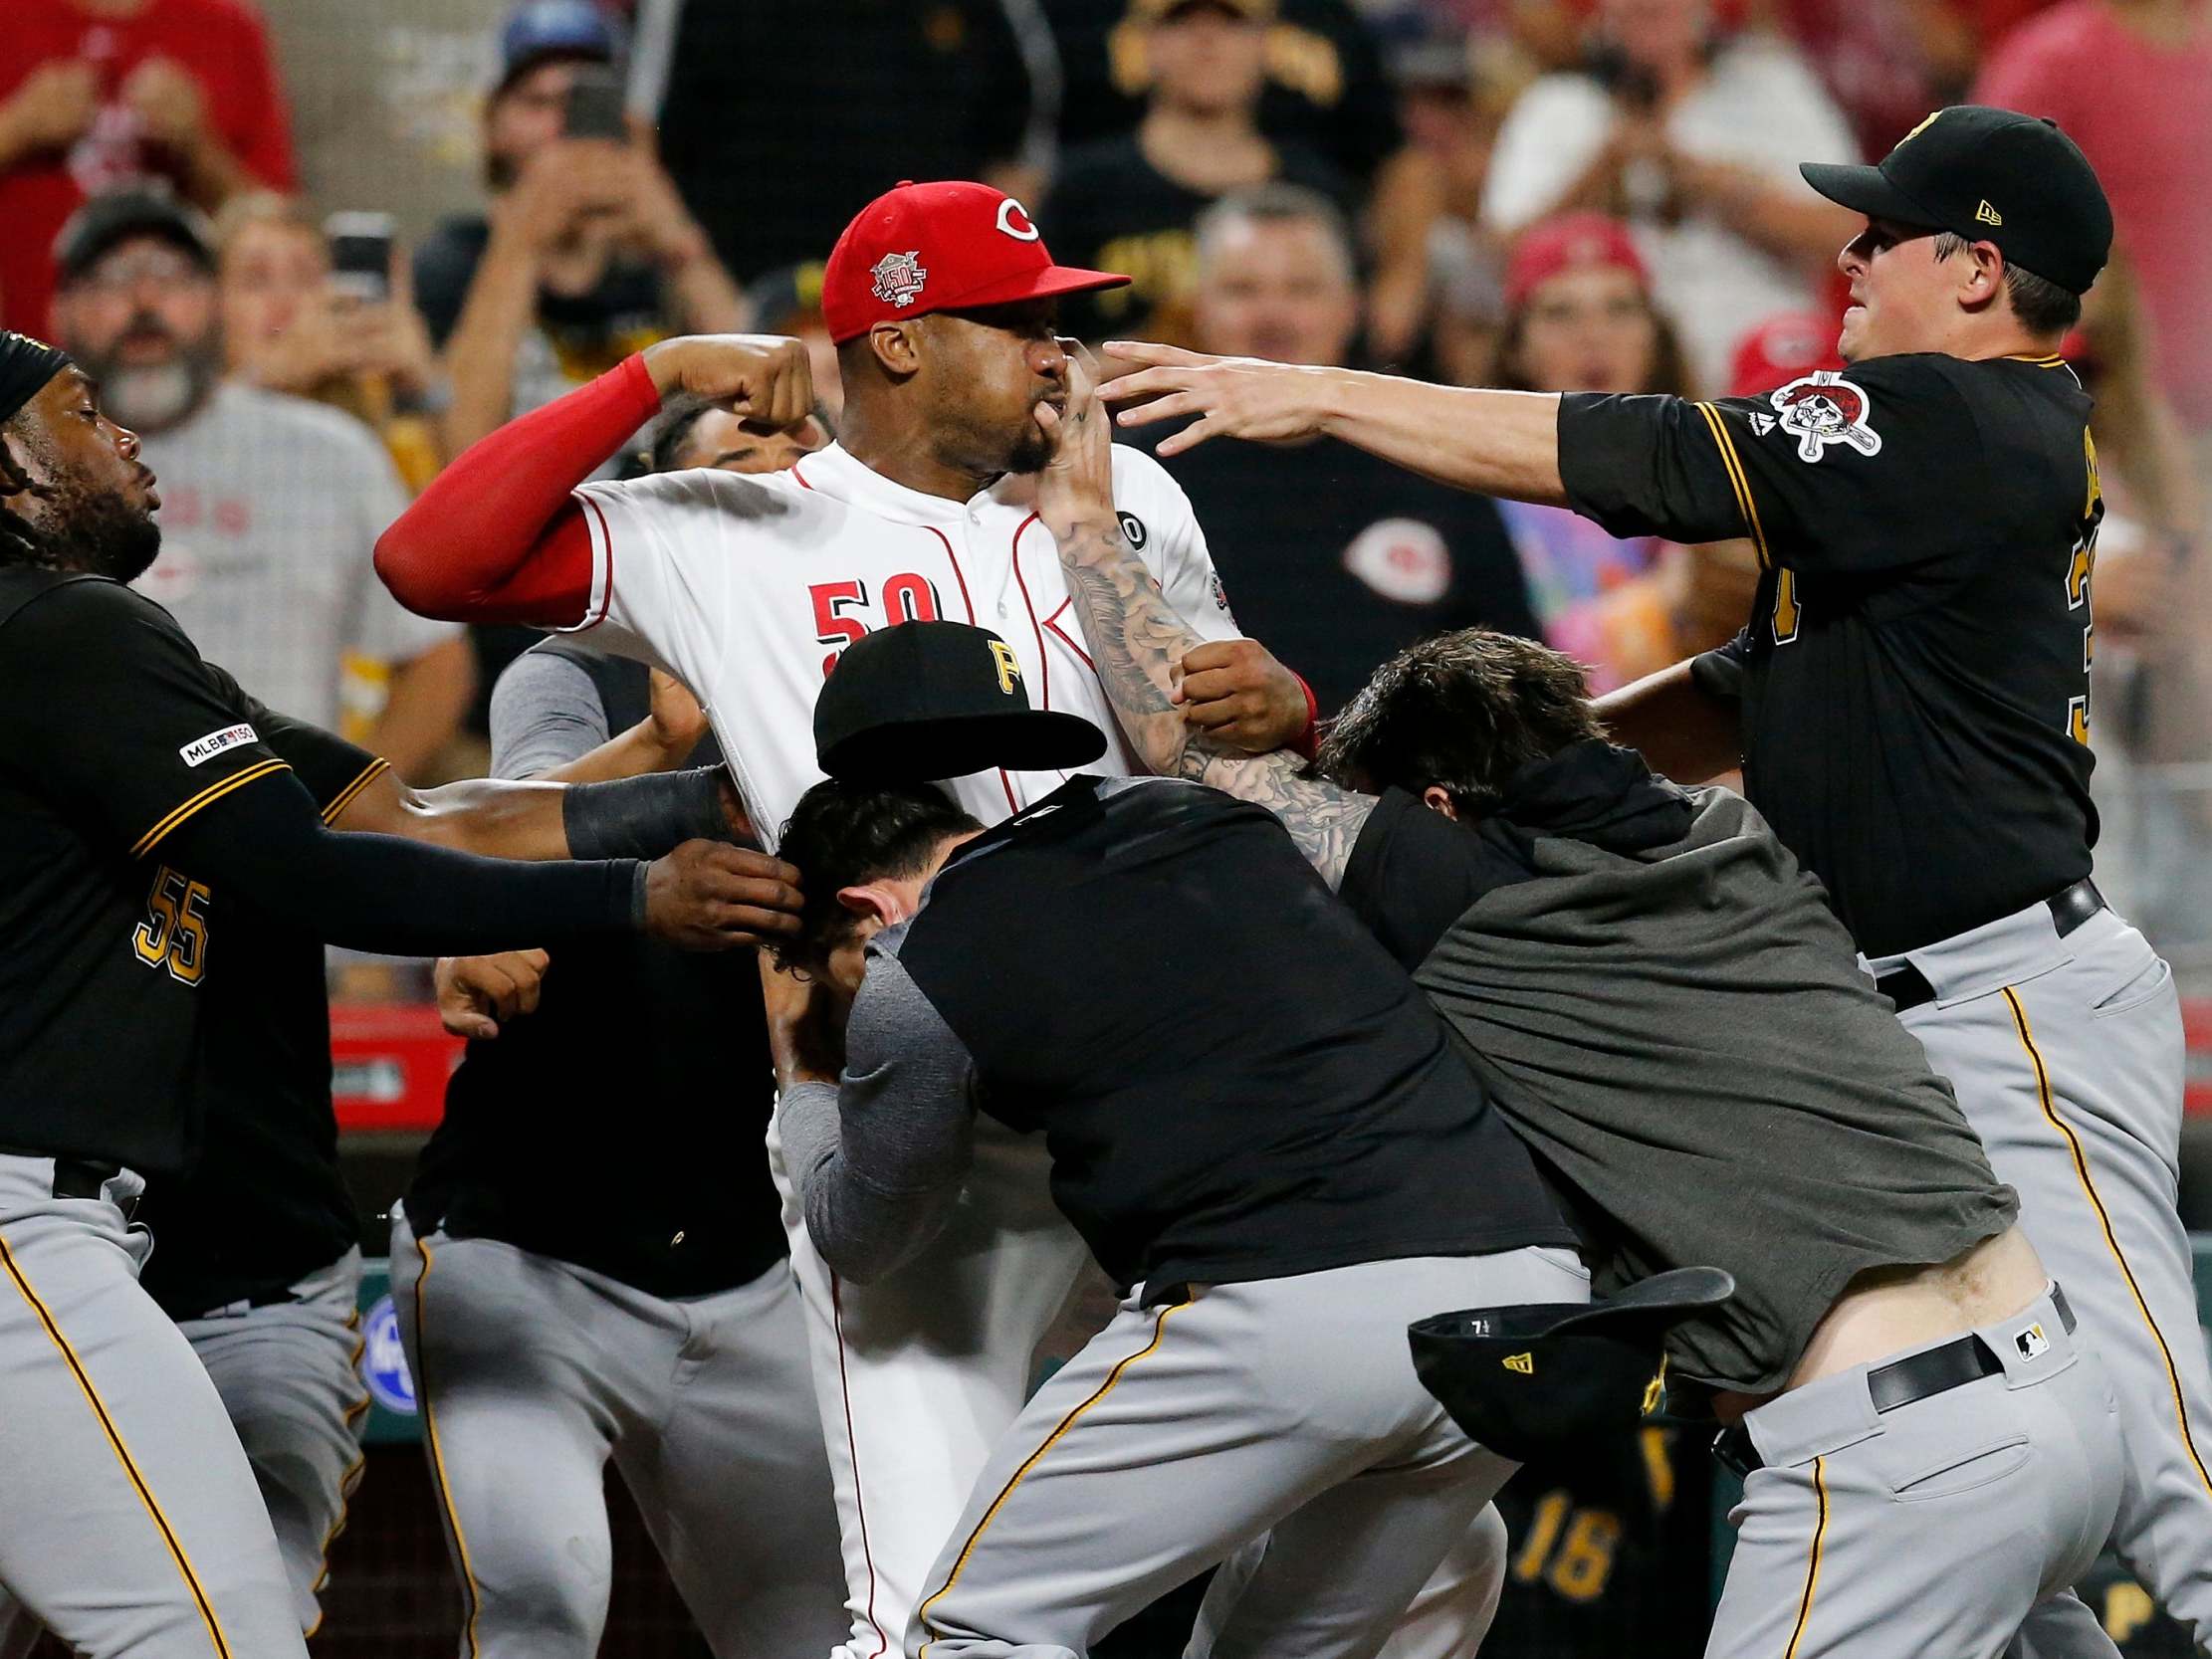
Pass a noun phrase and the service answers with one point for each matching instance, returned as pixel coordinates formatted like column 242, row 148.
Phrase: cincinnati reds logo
column 1823, row 408
column 1014, row 221
column 898, row 277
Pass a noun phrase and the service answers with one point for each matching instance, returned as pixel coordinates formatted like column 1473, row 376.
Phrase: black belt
column 81, row 1177
column 1909, row 988
column 1933, row 1371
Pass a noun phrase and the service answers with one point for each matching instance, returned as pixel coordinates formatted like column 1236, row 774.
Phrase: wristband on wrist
column 1308, row 743
column 643, row 817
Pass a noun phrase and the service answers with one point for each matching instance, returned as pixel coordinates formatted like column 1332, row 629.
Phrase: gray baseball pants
column 289, row 1375
column 1182, row 1432
column 1930, row 1530
column 2066, row 1058
column 530, row 1373
column 132, row 1525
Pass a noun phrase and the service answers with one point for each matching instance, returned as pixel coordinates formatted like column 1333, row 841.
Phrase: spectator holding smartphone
column 97, row 94
column 1693, row 137
column 268, row 503
column 291, row 327
column 587, row 252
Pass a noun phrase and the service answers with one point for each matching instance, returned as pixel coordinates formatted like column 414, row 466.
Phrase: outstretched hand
column 1234, row 397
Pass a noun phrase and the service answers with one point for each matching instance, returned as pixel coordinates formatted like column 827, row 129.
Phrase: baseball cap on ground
column 1989, row 176
column 118, row 215
column 1540, row 1378
column 1571, row 242
column 945, row 246
column 933, row 699
column 538, row 31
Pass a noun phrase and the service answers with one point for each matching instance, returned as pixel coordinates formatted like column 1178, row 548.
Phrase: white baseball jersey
column 748, row 587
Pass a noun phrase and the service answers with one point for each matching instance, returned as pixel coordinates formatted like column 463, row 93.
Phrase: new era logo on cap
column 1525, row 1363
column 945, row 246
column 1947, row 173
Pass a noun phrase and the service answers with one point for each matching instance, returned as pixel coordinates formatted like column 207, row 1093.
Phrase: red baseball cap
column 944, row 246
column 1569, row 243
column 1780, row 349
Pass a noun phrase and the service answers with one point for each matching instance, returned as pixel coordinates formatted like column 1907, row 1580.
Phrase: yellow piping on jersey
column 206, row 798
column 437, row 1458
column 345, row 796
column 1732, row 464
column 350, row 1480
column 2104, row 1221
column 1159, row 1328
column 122, row 1453
column 1813, row 1571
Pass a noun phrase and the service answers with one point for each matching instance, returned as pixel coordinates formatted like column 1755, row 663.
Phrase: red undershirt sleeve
column 499, row 535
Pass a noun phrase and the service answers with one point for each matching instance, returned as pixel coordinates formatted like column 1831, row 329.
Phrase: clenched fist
column 762, row 377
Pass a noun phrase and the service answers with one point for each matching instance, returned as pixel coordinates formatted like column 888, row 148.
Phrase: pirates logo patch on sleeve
column 1824, row 409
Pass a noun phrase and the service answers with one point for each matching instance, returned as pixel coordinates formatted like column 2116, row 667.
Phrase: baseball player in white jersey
column 941, row 297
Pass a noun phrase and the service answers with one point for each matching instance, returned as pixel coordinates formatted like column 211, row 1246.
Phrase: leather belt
column 1909, row 988
column 1933, row 1371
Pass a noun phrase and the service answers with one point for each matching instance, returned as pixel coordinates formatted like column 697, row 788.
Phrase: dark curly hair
column 1465, row 710
column 845, row 835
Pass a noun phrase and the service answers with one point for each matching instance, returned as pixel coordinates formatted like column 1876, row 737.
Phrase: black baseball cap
column 118, row 215
column 1539, row 1378
column 934, row 700
column 1989, row 176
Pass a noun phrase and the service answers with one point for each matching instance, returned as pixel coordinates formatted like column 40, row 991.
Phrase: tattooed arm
column 1139, row 644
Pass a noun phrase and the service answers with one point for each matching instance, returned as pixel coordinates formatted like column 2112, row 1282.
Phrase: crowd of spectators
column 1549, row 194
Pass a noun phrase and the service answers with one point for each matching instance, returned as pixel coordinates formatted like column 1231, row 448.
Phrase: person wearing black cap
column 146, row 815
column 942, row 296
column 1666, row 1011
column 1910, row 701
column 1281, row 1163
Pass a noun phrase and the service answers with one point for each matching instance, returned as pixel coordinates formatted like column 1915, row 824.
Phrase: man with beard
column 142, row 806
column 941, row 297
column 1660, row 1001
column 273, row 500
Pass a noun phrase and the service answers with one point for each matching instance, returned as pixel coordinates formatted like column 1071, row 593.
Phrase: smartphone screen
column 595, row 105
column 360, row 255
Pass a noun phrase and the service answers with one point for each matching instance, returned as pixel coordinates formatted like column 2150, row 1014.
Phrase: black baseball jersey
column 1260, row 1093
column 263, row 1203
column 619, row 1127
column 1611, row 1550
column 112, row 733
column 1915, row 675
